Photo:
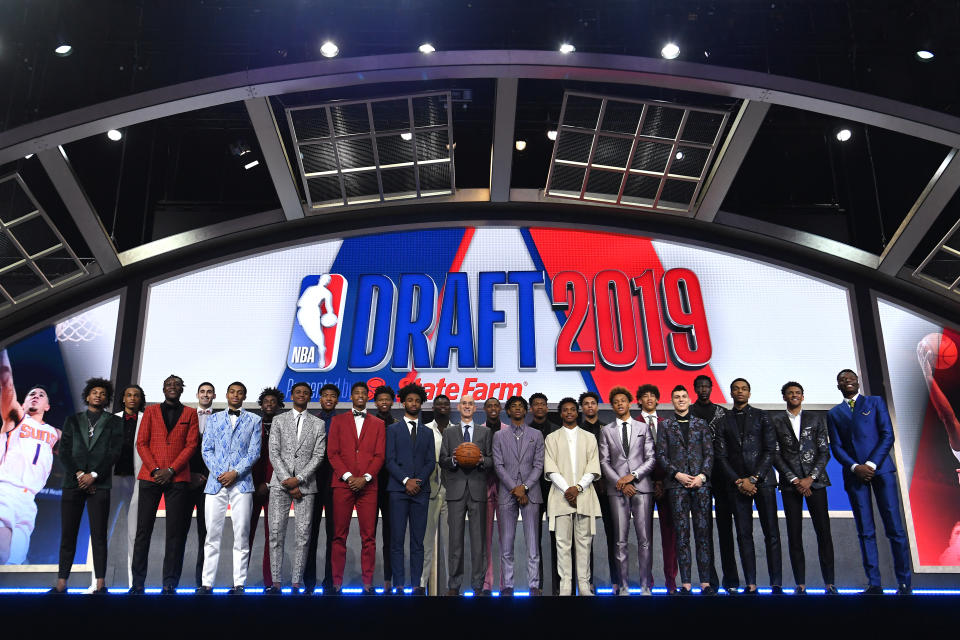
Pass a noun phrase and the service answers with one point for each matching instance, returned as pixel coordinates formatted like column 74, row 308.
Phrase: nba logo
column 315, row 339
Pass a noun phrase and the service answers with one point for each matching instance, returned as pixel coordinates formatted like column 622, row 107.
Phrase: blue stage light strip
column 469, row 594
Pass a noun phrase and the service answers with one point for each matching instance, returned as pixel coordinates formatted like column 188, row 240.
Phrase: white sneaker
column 586, row 590
column 645, row 591
column 624, row 591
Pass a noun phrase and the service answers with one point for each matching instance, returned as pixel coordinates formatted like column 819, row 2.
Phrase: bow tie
column 204, row 412
column 234, row 412
column 357, row 414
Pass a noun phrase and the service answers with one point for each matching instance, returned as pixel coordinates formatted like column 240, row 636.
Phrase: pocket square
column 865, row 413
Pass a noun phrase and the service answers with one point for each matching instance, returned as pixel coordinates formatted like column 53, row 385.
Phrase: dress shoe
column 485, row 593
column 800, row 591
column 419, row 591
column 272, row 590
column 872, row 590
column 776, row 590
column 369, row 590
column 100, row 591
column 506, row 592
column 623, row 591
column 535, row 592
column 57, row 592
column 453, row 592
column 747, row 591
column 831, row 591
column 683, row 591
column 708, row 591
column 204, row 591
column 732, row 591
column 168, row 591
column 905, row 590
column 332, row 590
column 236, row 590
column 135, row 591
column 297, row 590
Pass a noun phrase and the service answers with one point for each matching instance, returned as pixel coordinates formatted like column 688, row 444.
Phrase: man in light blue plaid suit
column 231, row 445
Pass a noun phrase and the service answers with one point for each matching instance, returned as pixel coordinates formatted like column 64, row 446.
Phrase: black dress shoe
column 332, row 590
column 800, row 591
column 872, row 590
column 370, row 591
column 272, row 590
column 683, row 591
column 486, row 593
column 732, row 591
column 168, row 591
column 135, row 591
column 708, row 591
column 57, row 592
column 204, row 591
column 100, row 591
column 506, row 592
column 750, row 592
column 419, row 591
column 905, row 590
column 776, row 590
column 236, row 590
column 831, row 591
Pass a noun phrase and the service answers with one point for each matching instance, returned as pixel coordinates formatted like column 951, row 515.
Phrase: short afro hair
column 414, row 389
column 616, row 391
column 92, row 384
column 267, row 392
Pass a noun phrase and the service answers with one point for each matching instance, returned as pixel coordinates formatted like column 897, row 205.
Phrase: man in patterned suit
column 297, row 446
column 801, row 458
column 861, row 436
column 745, row 446
column 231, row 446
column 627, row 460
column 685, row 451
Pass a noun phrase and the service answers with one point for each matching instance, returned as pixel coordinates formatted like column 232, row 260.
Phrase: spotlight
column 844, row 134
column 520, row 145
column 670, row 51
column 114, row 135
column 28, row 156
column 552, row 134
column 426, row 47
column 706, row 53
column 251, row 165
column 406, row 135
column 679, row 155
column 63, row 50
column 924, row 54
column 329, row 50
column 566, row 47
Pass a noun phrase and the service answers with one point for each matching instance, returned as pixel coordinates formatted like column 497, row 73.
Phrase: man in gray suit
column 466, row 494
column 298, row 441
column 627, row 458
column 518, row 457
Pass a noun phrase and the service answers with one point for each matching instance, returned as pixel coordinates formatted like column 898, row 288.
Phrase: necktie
column 466, row 433
column 653, row 426
column 234, row 412
column 851, row 402
column 357, row 414
column 626, row 439
column 413, row 431
column 299, row 418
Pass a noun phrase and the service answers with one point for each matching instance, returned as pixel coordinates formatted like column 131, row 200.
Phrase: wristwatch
column 579, row 489
column 93, row 474
column 526, row 488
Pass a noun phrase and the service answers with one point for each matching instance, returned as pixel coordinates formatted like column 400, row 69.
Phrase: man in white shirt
column 572, row 463
column 438, row 529
column 206, row 393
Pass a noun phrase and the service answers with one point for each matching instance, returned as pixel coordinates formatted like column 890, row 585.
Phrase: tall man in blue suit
column 861, row 436
column 409, row 459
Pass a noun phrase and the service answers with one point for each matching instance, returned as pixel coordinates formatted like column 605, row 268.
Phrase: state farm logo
column 315, row 339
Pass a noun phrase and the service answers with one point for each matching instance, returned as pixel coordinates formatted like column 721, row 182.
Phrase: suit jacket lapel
column 99, row 428
column 804, row 427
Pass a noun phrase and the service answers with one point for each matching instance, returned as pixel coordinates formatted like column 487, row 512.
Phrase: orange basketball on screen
column 468, row 455
column 943, row 348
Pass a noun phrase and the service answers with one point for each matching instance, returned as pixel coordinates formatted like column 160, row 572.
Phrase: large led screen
column 59, row 358
column 921, row 358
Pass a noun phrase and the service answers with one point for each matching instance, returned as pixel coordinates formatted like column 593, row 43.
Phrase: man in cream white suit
column 572, row 464
column 627, row 457
column 298, row 441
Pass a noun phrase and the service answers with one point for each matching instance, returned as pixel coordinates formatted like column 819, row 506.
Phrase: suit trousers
column 261, row 503
column 668, row 540
column 72, row 502
column 407, row 510
column 723, row 516
column 554, row 575
column 640, row 506
column 365, row 502
column 687, row 505
column 573, row 531
column 279, row 518
column 609, row 532
column 177, row 523
column 123, row 497
column 435, row 543
column 457, row 511
column 884, row 489
column 386, row 530
column 197, row 499
column 766, row 501
column 493, row 489
column 507, row 514
column 819, row 514
column 322, row 510
column 216, row 514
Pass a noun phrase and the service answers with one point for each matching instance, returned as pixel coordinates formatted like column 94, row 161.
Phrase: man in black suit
column 801, row 458
column 539, row 410
column 746, row 446
column 329, row 396
column 590, row 422
column 383, row 398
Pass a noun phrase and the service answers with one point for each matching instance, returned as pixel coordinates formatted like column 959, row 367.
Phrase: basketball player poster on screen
column 921, row 358
column 41, row 380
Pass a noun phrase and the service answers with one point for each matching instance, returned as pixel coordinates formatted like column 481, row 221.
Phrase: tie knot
column 625, row 423
column 234, row 412
column 357, row 414
column 412, row 423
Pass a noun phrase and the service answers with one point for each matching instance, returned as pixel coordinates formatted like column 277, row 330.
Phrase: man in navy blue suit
column 409, row 459
column 861, row 436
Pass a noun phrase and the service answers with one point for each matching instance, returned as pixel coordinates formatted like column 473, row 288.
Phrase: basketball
column 327, row 320
column 467, row 455
column 944, row 350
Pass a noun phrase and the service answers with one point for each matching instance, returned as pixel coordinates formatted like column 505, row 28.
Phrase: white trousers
column 435, row 543
column 574, row 530
column 215, row 506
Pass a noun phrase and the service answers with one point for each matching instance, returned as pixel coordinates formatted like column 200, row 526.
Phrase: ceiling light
column 251, row 165
column 520, row 145
column 328, row 49
column 406, row 135
column 566, row 47
column 924, row 54
column 426, row 47
column 114, row 135
column 552, row 134
column 844, row 134
column 28, row 156
column 670, row 51
column 679, row 155
column 63, row 50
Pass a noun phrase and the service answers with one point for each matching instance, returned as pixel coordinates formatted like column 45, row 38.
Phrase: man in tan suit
column 572, row 464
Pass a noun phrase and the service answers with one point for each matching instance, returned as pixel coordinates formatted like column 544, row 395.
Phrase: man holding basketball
column 465, row 458
column 861, row 436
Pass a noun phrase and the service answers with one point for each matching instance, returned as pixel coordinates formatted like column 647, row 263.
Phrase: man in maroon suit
column 355, row 448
